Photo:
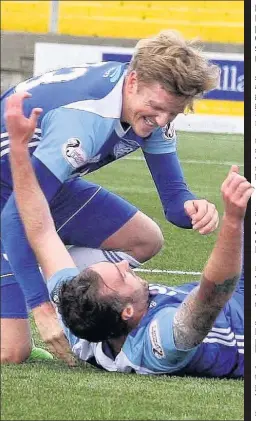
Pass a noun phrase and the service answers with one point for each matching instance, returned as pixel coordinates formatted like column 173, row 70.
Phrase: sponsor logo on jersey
column 73, row 152
column 113, row 73
column 169, row 131
column 155, row 340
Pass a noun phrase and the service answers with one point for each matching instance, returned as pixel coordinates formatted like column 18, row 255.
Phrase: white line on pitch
column 175, row 272
column 189, row 161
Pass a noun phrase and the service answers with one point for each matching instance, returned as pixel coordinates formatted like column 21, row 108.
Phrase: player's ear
column 127, row 312
column 132, row 82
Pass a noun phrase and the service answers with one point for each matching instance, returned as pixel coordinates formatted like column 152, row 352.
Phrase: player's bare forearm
column 226, row 258
column 196, row 315
column 31, row 202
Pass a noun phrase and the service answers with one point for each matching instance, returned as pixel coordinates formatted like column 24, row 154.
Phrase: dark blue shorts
column 85, row 214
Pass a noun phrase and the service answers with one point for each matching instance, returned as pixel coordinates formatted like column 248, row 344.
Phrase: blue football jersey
column 79, row 130
column 150, row 348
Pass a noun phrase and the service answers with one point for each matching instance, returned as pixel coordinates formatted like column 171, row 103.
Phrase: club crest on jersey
column 73, row 152
column 169, row 131
column 122, row 148
column 156, row 340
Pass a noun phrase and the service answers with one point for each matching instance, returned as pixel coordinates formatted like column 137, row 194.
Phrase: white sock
column 84, row 257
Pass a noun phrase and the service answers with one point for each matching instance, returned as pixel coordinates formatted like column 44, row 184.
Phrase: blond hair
column 178, row 65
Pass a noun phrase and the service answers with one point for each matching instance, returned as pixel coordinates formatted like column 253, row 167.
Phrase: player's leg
column 87, row 215
column 87, row 256
column 15, row 340
column 140, row 237
column 16, row 343
column 15, row 332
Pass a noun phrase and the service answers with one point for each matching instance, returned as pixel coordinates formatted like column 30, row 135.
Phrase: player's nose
column 162, row 119
column 123, row 265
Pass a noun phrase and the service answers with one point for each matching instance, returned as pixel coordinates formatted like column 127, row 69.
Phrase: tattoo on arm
column 197, row 313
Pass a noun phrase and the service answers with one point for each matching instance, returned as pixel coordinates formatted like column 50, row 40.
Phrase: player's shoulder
column 96, row 80
column 104, row 98
column 103, row 77
column 56, row 280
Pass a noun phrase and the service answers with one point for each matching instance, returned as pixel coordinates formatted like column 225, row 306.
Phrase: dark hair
column 87, row 311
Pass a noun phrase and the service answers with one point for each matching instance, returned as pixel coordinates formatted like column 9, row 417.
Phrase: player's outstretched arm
column 181, row 207
column 35, row 213
column 196, row 315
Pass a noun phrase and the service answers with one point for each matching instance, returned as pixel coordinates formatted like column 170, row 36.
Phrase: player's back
column 66, row 85
column 55, row 89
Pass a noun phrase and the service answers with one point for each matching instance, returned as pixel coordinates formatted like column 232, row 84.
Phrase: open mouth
column 149, row 122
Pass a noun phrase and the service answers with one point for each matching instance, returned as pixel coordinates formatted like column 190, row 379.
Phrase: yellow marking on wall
column 218, row 107
column 211, row 21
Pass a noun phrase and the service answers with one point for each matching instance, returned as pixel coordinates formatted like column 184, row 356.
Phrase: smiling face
column 121, row 279
column 146, row 107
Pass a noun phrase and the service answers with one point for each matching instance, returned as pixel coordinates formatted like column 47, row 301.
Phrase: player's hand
column 19, row 127
column 204, row 215
column 236, row 192
column 51, row 332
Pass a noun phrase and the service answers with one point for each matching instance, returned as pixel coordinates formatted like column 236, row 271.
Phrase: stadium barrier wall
column 211, row 21
column 220, row 111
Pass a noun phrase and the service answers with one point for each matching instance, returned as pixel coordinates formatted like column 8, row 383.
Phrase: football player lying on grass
column 92, row 116
column 113, row 318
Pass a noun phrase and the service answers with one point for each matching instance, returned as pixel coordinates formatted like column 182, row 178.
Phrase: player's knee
column 150, row 241
column 15, row 355
column 140, row 237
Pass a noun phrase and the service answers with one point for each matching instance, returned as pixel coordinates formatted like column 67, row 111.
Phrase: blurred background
column 42, row 35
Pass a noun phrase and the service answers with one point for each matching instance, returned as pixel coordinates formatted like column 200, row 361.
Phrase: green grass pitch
column 51, row 391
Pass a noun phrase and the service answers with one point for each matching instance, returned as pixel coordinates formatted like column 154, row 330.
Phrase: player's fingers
column 240, row 189
column 66, row 353
column 211, row 215
column 231, row 174
column 35, row 115
column 189, row 207
column 246, row 196
column 204, row 221
column 15, row 101
column 227, row 181
column 202, row 209
column 212, row 226
column 234, row 168
column 62, row 351
column 237, row 184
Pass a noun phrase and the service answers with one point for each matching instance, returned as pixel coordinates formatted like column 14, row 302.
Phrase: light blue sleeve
column 163, row 140
column 53, row 286
column 160, row 352
column 69, row 138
